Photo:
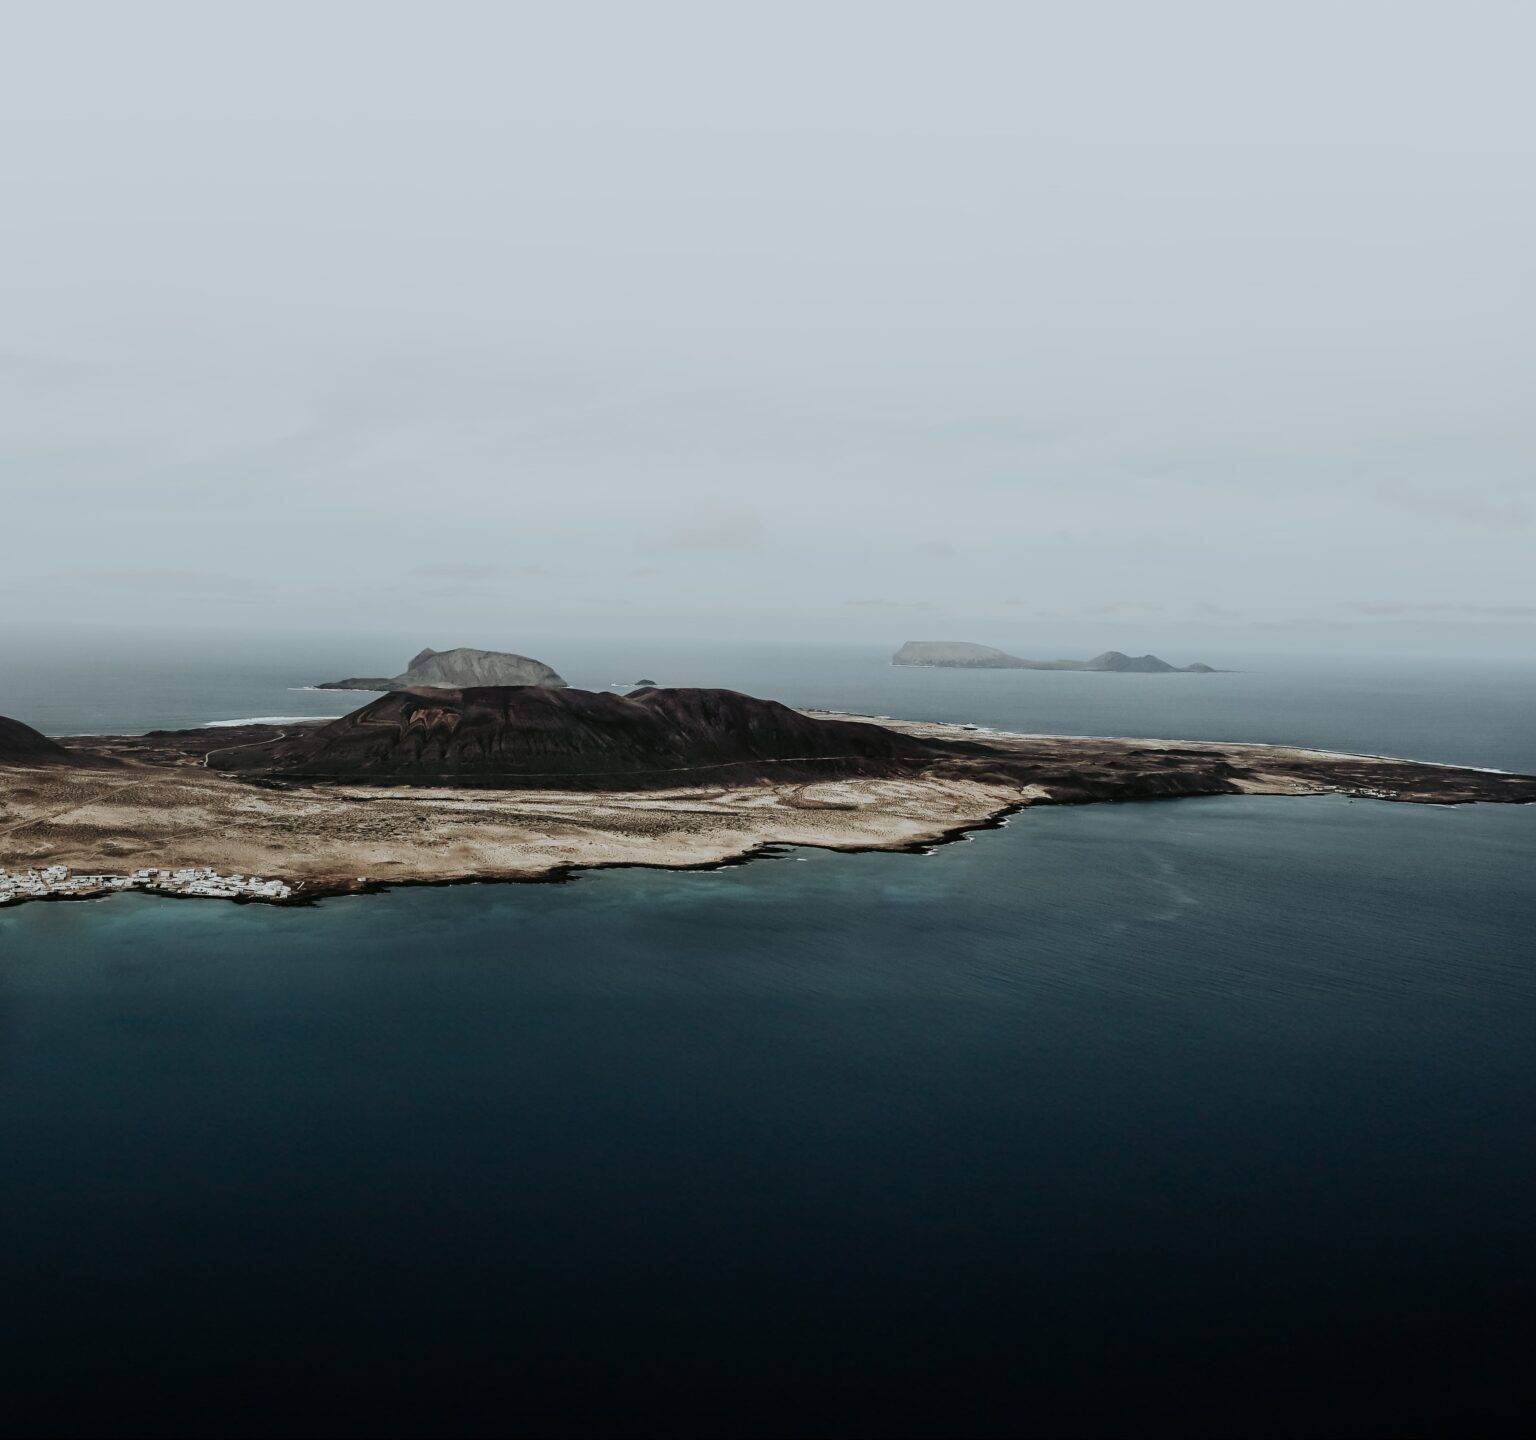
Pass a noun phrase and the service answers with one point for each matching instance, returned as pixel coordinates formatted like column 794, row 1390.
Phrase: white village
column 56, row 882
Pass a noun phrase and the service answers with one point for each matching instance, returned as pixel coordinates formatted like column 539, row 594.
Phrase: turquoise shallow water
column 1204, row 1117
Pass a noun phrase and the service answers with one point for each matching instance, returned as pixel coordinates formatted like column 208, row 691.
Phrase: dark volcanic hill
column 22, row 745
column 534, row 736
column 961, row 655
column 457, row 670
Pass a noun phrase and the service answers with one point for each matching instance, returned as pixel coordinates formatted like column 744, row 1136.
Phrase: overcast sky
column 1012, row 323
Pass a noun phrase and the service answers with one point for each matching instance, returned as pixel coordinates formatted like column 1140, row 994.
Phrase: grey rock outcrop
column 458, row 669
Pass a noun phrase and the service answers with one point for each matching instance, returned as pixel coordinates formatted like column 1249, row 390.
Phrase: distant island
column 961, row 655
column 432, row 785
column 452, row 669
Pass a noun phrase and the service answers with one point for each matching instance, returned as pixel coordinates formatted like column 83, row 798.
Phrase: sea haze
column 1118, row 1119
column 1465, row 712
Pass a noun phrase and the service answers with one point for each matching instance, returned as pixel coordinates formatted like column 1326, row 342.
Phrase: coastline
column 559, row 874
column 157, row 805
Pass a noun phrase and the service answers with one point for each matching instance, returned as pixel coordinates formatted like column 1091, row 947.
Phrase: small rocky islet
column 453, row 669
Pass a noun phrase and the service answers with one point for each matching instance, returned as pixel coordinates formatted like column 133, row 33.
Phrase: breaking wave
column 263, row 720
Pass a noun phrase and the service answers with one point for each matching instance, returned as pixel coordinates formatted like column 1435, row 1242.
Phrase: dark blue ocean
column 1206, row 1117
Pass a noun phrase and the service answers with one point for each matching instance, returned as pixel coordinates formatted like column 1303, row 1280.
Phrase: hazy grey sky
column 998, row 322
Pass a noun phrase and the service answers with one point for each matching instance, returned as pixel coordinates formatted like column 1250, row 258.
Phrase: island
column 497, row 783
column 962, row 655
column 453, row 669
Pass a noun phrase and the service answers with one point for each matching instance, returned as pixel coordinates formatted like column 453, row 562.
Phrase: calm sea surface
column 1199, row 1117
